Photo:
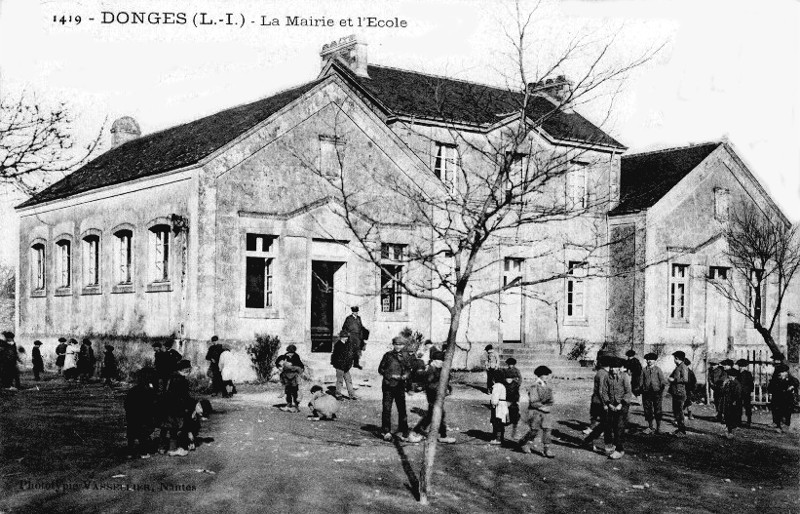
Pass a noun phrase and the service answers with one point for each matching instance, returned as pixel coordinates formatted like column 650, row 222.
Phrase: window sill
column 576, row 322
column 91, row 290
column 159, row 287
column 393, row 316
column 39, row 293
column 122, row 289
column 679, row 324
column 63, row 291
column 269, row 313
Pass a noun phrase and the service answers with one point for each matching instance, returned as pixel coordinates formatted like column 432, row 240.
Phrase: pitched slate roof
column 427, row 96
column 168, row 149
column 646, row 177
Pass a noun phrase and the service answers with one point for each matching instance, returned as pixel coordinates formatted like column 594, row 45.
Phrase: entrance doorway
column 323, row 303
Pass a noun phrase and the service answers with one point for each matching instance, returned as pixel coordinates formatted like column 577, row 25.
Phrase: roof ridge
column 445, row 77
column 672, row 149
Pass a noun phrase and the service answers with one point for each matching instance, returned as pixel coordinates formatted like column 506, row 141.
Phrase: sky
column 725, row 69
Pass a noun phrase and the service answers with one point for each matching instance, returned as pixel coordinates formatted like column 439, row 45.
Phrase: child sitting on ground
column 191, row 424
column 323, row 406
column 540, row 419
column 499, row 417
column 291, row 369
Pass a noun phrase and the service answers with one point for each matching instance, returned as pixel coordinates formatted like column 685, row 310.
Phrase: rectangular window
column 516, row 183
column 259, row 259
column 576, row 276
column 392, row 256
column 63, row 260
column 718, row 273
column 38, row 267
column 721, row 203
column 91, row 260
column 159, row 243
column 331, row 156
column 124, row 257
column 756, row 296
column 577, row 192
column 679, row 292
column 446, row 164
column 512, row 270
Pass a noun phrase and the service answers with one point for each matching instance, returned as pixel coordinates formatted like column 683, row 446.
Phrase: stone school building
column 211, row 227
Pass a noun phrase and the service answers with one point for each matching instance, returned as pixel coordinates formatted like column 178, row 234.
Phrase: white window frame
column 678, row 293
column 63, row 263
column 575, row 291
column 578, row 186
column 264, row 248
column 159, row 254
column 91, row 260
column 123, row 257
column 446, row 164
column 392, row 271
column 38, row 266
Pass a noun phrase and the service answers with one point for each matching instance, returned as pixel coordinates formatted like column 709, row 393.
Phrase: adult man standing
column 342, row 360
column 356, row 334
column 677, row 388
column 653, row 385
column 395, row 373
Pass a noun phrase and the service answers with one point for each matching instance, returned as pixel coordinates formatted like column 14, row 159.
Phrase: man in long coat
column 356, row 334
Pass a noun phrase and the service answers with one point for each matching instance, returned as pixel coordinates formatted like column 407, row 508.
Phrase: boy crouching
column 541, row 400
column 323, row 406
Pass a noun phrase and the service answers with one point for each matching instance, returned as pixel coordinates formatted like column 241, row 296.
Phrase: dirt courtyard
column 62, row 450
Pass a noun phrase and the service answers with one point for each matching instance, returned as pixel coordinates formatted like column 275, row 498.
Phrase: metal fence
column 760, row 365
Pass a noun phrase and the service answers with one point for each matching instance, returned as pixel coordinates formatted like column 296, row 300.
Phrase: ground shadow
column 413, row 481
column 480, row 434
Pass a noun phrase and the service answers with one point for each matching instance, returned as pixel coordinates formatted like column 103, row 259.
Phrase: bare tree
column 37, row 143
column 764, row 254
column 491, row 195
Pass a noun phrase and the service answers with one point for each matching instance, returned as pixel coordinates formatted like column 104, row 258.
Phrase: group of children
column 163, row 402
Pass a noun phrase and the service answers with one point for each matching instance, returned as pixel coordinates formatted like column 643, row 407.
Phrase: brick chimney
column 349, row 51
column 123, row 130
column 558, row 88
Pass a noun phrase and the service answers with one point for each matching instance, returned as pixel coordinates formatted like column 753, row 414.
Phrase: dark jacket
column 599, row 378
column 109, row 365
column 177, row 402
column 653, row 380
column 290, row 373
column 86, row 359
column 36, row 359
column 512, row 388
column 680, row 377
column 393, row 369
column 748, row 384
column 429, row 378
column 783, row 392
column 731, row 398
column 342, row 355
column 141, row 406
column 163, row 365
column 634, row 367
column 61, row 351
column 174, row 357
column 357, row 334
column 717, row 377
column 616, row 389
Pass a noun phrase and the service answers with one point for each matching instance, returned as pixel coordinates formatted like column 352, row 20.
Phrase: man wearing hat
column 342, row 360
column 716, row 377
column 745, row 378
column 61, row 351
column 9, row 357
column 634, row 368
column 677, row 388
column 653, row 385
column 36, row 360
column 356, row 334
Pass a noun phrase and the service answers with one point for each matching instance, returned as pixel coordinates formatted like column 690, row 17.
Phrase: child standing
column 732, row 401
column 513, row 381
column 597, row 410
column 616, row 394
column 541, row 400
column 178, row 405
column 36, row 358
column 492, row 364
column 691, row 385
column 783, row 388
column 653, row 385
column 430, row 380
column 748, row 385
column 140, row 409
column 291, row 368
column 109, row 371
column 61, row 351
column 499, row 417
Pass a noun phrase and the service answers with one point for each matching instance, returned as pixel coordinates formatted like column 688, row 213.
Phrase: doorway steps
column 530, row 357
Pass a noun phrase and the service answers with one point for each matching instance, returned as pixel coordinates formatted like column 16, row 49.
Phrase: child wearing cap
column 616, row 394
column 291, row 367
column 109, row 371
column 783, row 387
column 36, row 359
column 540, row 396
column 653, row 385
column 677, row 388
column 745, row 378
column 491, row 362
column 732, row 401
column 430, row 380
column 342, row 359
column 513, row 380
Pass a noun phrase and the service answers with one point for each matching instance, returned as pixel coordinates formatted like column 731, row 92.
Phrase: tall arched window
column 63, row 264
column 123, row 258
column 91, row 260
column 159, row 253
column 37, row 264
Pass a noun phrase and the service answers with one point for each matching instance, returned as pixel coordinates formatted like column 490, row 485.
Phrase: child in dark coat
column 141, row 405
column 783, row 388
column 36, row 358
column 731, row 399
column 177, row 404
column 291, row 367
column 540, row 403
column 748, row 385
column 109, row 370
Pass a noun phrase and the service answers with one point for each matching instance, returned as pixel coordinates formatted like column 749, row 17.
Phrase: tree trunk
column 429, row 450
column 767, row 335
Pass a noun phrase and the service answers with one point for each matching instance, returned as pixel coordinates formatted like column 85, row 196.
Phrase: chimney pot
column 123, row 130
column 350, row 51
